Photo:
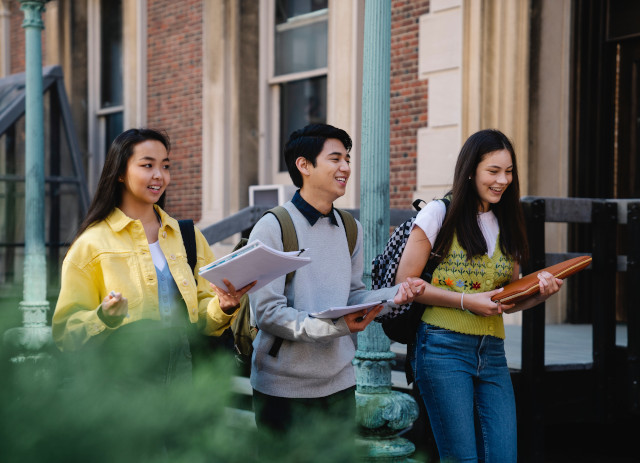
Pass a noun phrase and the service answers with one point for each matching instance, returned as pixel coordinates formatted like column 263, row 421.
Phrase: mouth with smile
column 155, row 188
column 342, row 180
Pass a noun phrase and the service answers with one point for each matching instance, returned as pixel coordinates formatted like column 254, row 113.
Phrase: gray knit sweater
column 315, row 357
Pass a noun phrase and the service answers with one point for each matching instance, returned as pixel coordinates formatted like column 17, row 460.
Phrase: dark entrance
column 605, row 148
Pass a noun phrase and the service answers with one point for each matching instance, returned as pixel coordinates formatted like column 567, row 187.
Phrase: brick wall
column 16, row 37
column 408, row 99
column 174, row 79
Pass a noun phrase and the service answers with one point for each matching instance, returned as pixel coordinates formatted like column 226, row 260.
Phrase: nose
column 345, row 166
column 156, row 173
column 502, row 178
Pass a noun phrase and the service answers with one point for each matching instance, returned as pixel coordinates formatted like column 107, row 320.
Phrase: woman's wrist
column 112, row 321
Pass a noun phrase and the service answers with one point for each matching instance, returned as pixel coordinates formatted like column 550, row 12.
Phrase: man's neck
column 317, row 200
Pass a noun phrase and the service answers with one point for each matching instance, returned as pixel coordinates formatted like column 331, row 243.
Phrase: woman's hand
column 114, row 308
column 115, row 305
column 409, row 290
column 548, row 285
column 482, row 305
column 230, row 299
column 358, row 321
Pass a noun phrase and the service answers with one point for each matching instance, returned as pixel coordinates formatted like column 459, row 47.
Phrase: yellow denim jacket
column 113, row 255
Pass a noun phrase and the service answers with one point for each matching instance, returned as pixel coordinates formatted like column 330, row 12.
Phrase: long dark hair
column 109, row 190
column 462, row 216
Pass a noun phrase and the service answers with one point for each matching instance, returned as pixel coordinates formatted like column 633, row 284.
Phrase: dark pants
column 281, row 414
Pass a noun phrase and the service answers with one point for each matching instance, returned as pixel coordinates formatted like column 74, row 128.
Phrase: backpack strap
column 427, row 273
column 188, row 232
column 289, row 243
column 288, row 231
column 350, row 228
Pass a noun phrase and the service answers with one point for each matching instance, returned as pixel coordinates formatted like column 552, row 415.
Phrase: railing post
column 604, row 220
column 531, row 400
column 633, row 312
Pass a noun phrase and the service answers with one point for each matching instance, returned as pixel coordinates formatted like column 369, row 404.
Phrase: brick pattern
column 174, row 96
column 16, row 37
column 408, row 99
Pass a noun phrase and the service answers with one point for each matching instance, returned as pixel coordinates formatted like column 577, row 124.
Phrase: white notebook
column 254, row 262
column 337, row 312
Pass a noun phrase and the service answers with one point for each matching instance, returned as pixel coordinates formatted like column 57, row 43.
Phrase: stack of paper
column 337, row 312
column 254, row 262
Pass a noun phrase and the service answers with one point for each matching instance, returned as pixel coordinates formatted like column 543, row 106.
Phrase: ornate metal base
column 32, row 341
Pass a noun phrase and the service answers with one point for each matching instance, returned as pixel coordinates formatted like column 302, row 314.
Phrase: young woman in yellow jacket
column 127, row 269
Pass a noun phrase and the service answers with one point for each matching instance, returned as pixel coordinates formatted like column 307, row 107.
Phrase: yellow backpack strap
column 350, row 228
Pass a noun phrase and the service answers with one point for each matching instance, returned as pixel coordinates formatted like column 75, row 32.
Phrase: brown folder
column 528, row 286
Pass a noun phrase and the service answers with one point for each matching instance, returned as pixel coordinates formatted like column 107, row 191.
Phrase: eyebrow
column 149, row 158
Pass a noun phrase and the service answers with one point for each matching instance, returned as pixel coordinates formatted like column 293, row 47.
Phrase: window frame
column 271, row 151
column 97, row 124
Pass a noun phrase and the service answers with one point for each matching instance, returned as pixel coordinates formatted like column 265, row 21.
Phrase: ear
column 302, row 164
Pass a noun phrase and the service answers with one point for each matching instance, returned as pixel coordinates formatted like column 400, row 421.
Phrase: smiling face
column 147, row 175
column 492, row 177
column 327, row 180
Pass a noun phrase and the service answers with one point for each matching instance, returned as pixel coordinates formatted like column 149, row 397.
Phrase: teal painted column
column 381, row 412
column 34, row 334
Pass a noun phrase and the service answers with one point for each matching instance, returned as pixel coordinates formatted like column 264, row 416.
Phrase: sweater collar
column 311, row 213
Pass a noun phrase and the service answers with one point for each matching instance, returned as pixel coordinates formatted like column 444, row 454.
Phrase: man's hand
column 230, row 299
column 358, row 321
column 409, row 290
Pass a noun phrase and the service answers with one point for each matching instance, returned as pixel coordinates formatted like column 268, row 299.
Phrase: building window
column 106, row 115
column 299, row 78
column 111, row 102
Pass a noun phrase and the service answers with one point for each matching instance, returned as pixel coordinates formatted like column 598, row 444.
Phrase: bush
column 73, row 408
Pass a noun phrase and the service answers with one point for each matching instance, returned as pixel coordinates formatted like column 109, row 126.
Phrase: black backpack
column 401, row 324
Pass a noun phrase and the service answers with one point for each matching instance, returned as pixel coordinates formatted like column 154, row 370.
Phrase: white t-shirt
column 430, row 219
column 159, row 260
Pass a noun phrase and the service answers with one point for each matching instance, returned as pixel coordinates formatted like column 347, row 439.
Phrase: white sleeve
column 430, row 219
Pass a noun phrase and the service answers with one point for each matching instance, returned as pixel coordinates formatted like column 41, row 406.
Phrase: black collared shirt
column 311, row 213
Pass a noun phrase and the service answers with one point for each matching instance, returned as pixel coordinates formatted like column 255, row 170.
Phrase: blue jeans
column 466, row 387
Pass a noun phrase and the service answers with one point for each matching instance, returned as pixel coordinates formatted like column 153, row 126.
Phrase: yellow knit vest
column 479, row 274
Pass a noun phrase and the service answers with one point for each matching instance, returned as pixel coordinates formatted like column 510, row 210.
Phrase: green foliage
column 77, row 407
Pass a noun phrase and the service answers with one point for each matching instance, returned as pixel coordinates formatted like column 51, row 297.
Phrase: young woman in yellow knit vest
column 460, row 364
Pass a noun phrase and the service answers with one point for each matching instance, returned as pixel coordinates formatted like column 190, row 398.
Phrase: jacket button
column 164, row 234
column 185, row 282
column 193, row 311
column 172, row 257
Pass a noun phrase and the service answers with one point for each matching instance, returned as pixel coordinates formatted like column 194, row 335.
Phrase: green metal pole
column 35, row 333
column 381, row 412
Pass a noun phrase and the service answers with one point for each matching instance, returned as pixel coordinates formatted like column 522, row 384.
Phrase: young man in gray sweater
column 312, row 370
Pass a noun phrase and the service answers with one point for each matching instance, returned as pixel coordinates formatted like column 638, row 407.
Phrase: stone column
column 381, row 412
column 35, row 334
